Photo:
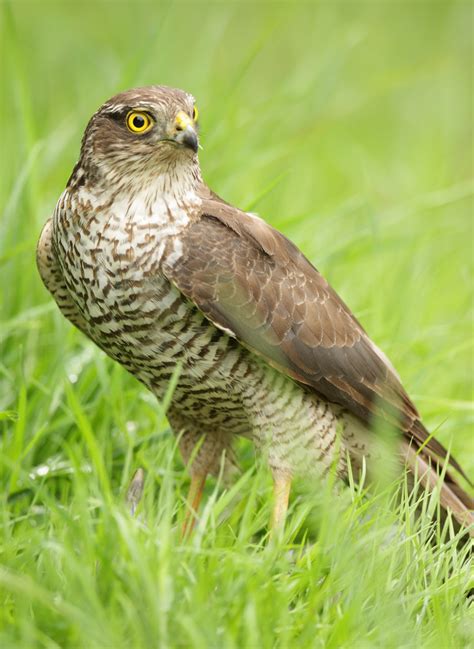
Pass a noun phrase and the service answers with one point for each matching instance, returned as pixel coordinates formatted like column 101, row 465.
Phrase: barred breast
column 131, row 311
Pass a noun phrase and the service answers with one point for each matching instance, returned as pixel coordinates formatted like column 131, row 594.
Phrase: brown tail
column 453, row 497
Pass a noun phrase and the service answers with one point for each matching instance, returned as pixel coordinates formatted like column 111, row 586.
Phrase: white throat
column 144, row 194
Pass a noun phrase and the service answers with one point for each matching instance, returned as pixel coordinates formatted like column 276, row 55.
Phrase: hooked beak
column 184, row 131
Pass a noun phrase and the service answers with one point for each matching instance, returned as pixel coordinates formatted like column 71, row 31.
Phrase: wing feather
column 247, row 278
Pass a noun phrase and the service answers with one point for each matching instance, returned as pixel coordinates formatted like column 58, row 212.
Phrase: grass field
column 348, row 127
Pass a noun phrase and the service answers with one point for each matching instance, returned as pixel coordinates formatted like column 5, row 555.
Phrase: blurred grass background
column 348, row 126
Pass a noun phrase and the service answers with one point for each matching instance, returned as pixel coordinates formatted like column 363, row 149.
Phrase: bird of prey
column 160, row 272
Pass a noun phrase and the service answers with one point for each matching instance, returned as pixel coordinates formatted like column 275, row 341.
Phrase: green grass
column 348, row 127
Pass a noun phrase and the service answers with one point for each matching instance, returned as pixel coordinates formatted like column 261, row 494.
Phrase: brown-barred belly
column 138, row 318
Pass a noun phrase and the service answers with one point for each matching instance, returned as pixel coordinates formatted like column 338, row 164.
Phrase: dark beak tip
column 189, row 139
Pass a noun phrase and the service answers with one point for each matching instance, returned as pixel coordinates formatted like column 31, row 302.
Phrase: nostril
column 178, row 127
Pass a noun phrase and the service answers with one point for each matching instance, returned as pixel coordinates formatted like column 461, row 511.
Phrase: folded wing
column 252, row 282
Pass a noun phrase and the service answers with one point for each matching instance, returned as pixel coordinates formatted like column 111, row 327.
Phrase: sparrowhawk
column 160, row 273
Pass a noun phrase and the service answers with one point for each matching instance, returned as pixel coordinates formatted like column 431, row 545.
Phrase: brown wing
column 251, row 281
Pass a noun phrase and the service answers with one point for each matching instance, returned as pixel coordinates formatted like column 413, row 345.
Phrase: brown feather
column 250, row 280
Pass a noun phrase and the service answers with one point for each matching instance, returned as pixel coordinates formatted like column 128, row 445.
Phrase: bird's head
column 141, row 134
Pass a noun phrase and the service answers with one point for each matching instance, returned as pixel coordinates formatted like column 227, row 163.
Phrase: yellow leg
column 194, row 498
column 281, row 495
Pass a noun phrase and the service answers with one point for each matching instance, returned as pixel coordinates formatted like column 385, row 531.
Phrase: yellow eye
column 139, row 122
column 195, row 114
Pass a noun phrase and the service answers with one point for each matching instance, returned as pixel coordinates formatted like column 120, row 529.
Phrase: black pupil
column 138, row 121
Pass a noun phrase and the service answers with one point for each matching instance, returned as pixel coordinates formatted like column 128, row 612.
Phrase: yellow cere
column 183, row 120
column 139, row 121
